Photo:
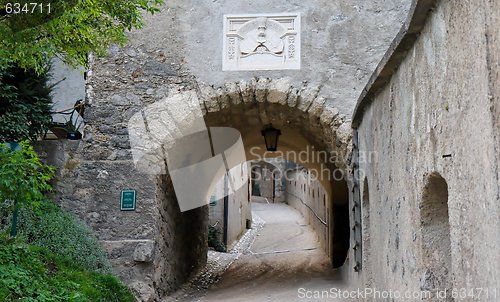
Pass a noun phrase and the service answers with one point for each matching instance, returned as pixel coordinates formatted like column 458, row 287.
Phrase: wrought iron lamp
column 271, row 136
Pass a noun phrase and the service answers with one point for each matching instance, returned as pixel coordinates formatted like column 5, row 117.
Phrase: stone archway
column 309, row 125
column 176, row 240
column 264, row 100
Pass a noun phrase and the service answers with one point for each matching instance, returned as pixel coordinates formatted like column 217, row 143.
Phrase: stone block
column 155, row 68
column 224, row 100
column 143, row 291
column 328, row 114
column 317, row 107
column 261, row 89
column 144, row 251
column 307, row 97
column 210, row 98
column 233, row 92
column 293, row 96
column 278, row 90
column 247, row 89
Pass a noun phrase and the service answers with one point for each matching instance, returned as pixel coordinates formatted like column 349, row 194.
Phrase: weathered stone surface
column 144, row 251
column 143, row 291
column 233, row 92
column 306, row 98
column 344, row 134
column 328, row 115
column 247, row 89
column 317, row 107
column 261, row 89
column 293, row 96
column 335, row 50
column 210, row 98
column 118, row 100
column 154, row 68
column 278, row 91
column 224, row 100
column 98, row 187
column 430, row 168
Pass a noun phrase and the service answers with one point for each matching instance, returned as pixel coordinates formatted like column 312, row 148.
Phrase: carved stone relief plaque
column 261, row 42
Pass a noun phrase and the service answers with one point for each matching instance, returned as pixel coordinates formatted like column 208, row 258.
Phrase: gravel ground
column 273, row 262
column 217, row 264
column 285, row 261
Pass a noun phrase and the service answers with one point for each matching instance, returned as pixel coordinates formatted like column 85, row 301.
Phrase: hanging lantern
column 271, row 136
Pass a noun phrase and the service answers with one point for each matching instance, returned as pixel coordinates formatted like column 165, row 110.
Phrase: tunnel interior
column 303, row 144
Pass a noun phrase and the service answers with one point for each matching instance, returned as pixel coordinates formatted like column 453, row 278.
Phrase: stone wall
column 351, row 36
column 179, row 51
column 435, row 181
column 238, row 212
column 310, row 198
column 155, row 248
column 182, row 240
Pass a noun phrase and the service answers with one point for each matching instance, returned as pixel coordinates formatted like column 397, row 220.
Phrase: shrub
column 23, row 179
column 30, row 273
column 63, row 234
column 25, row 104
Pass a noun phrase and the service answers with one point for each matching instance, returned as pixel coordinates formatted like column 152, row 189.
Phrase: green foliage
column 63, row 234
column 29, row 273
column 23, row 178
column 25, row 104
column 65, row 261
column 214, row 240
column 71, row 30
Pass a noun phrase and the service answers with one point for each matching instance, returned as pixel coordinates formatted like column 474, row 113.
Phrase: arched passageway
column 314, row 135
column 293, row 239
column 307, row 139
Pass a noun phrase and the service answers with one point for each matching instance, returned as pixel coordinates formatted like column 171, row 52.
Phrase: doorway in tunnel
column 340, row 223
column 255, row 186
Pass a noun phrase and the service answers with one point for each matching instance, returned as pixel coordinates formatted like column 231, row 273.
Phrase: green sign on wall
column 127, row 200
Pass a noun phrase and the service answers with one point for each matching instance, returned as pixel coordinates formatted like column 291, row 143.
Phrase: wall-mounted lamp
column 271, row 136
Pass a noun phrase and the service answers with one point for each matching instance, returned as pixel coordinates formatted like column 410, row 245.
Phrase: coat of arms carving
column 261, row 42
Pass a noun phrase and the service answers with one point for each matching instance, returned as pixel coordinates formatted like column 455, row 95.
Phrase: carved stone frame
column 278, row 28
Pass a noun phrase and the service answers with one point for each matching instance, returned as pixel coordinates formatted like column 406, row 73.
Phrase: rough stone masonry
column 428, row 110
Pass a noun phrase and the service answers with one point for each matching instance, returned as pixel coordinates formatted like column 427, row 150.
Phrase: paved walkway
column 284, row 257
